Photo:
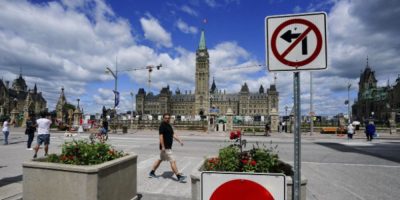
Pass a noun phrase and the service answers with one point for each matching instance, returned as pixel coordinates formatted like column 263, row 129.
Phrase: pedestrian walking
column 6, row 131
column 280, row 127
column 284, row 126
column 350, row 131
column 166, row 137
column 30, row 131
column 105, row 125
column 43, row 125
column 267, row 129
column 370, row 130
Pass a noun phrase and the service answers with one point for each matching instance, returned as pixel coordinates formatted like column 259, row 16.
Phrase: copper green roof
column 202, row 44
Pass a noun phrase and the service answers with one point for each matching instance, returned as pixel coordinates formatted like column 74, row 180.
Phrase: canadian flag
column 205, row 20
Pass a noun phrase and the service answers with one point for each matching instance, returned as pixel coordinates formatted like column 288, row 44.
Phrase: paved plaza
column 335, row 167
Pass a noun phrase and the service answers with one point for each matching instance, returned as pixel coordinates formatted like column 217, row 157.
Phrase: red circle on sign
column 298, row 63
column 241, row 189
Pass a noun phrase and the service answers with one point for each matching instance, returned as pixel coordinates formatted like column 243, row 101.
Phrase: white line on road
column 350, row 164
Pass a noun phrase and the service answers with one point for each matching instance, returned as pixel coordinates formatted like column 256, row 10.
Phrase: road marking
column 350, row 164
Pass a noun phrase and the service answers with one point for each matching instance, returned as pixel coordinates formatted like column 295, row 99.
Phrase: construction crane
column 149, row 68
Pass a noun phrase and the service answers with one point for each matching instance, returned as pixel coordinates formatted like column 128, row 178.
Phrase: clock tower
column 202, row 95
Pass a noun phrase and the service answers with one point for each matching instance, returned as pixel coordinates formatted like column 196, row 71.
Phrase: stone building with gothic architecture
column 206, row 98
column 18, row 99
column 375, row 102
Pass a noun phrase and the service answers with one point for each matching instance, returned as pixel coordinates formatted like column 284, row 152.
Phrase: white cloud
column 185, row 28
column 154, row 32
column 58, row 45
column 214, row 4
column 297, row 9
column 189, row 10
column 211, row 3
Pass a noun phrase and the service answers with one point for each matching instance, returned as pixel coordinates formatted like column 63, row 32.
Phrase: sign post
column 296, row 43
column 297, row 138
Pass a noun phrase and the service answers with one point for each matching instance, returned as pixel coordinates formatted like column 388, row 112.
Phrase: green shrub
column 82, row 152
column 228, row 157
column 258, row 159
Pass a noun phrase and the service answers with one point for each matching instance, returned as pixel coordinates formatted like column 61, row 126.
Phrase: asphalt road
column 335, row 167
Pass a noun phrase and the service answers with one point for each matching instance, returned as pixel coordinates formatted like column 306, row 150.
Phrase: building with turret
column 19, row 99
column 375, row 102
column 206, row 98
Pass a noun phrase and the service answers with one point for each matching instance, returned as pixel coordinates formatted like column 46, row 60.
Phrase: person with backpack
column 370, row 130
column 350, row 131
column 30, row 131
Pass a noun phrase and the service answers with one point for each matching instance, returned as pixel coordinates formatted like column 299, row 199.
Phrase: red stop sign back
column 241, row 189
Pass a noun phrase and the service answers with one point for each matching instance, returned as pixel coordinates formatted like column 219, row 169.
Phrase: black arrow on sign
column 288, row 36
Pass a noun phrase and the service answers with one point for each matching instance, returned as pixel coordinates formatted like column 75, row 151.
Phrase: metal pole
column 116, row 83
column 297, row 139
column 311, row 106
column 348, row 102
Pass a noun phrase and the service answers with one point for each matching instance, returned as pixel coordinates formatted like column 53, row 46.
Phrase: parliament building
column 375, row 102
column 206, row 98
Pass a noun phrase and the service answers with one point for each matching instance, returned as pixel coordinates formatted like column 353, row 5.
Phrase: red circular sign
column 310, row 27
column 241, row 189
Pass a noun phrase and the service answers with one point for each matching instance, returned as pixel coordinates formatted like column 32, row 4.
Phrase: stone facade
column 19, row 99
column 205, row 98
column 62, row 113
column 373, row 101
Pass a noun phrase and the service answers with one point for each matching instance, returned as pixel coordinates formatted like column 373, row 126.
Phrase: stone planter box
column 116, row 179
column 196, row 184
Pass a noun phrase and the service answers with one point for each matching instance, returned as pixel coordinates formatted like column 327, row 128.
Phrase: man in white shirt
column 6, row 131
column 43, row 129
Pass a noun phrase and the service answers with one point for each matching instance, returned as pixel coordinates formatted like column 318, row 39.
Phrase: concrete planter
column 116, row 179
column 196, row 184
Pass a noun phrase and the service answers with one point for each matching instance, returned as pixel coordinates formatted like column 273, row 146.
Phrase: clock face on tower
column 202, row 54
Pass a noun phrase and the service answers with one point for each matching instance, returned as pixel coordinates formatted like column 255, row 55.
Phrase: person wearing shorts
column 43, row 129
column 166, row 136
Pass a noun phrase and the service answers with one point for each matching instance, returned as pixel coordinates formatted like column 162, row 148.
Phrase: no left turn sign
column 296, row 42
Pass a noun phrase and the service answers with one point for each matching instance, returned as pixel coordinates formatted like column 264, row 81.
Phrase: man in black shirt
column 166, row 136
column 30, row 131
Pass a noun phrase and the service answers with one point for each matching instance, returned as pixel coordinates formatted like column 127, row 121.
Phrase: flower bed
column 258, row 159
column 82, row 171
column 81, row 152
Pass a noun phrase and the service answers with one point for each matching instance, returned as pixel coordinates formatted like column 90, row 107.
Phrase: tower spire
column 202, row 44
column 35, row 89
column 367, row 63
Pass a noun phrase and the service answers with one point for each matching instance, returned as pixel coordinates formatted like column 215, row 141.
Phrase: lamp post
column 286, row 108
column 132, row 105
column 115, row 75
column 348, row 102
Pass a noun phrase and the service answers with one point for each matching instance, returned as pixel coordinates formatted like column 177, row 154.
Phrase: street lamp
column 132, row 105
column 286, row 108
column 348, row 102
column 115, row 75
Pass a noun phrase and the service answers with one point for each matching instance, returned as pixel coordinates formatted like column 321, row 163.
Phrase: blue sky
column 68, row 43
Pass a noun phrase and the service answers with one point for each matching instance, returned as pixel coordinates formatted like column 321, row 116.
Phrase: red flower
column 253, row 163
column 245, row 161
column 233, row 135
column 238, row 133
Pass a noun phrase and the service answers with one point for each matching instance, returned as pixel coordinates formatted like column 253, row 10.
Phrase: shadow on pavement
column 168, row 175
column 384, row 151
column 9, row 180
